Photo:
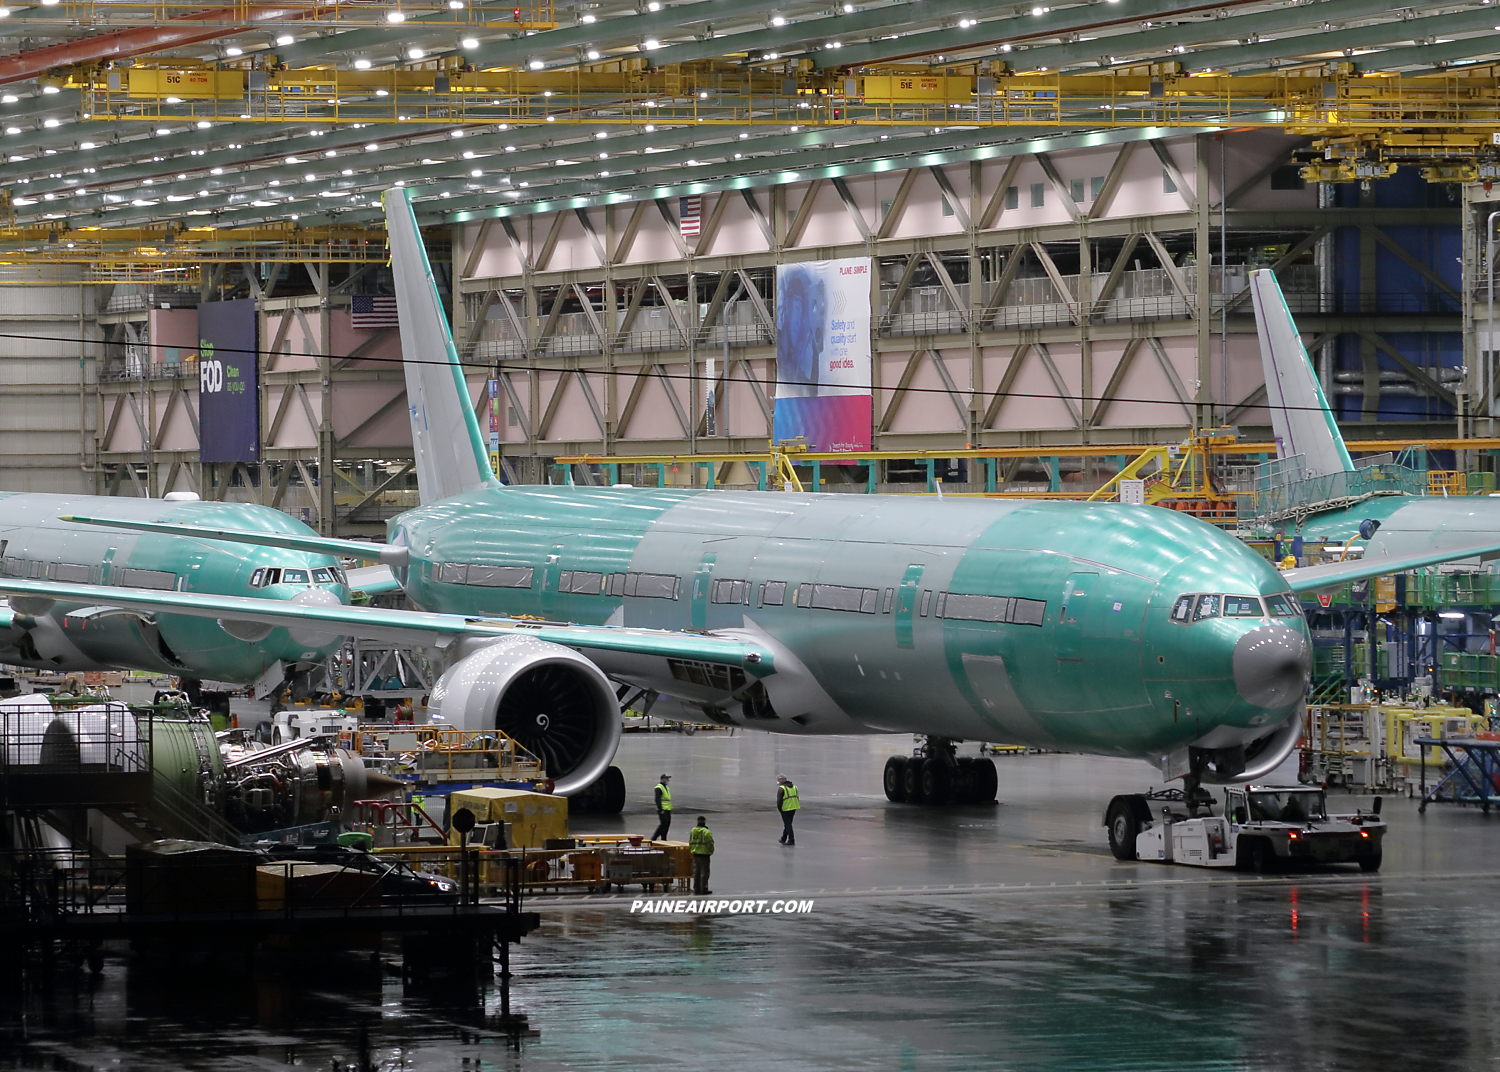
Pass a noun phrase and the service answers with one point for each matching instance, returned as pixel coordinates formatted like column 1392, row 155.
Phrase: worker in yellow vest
column 663, row 808
column 701, row 845
column 787, row 802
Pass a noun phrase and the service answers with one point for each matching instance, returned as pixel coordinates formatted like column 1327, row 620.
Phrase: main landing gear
column 938, row 775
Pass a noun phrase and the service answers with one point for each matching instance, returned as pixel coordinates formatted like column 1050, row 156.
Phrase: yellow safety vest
column 789, row 800
column 666, row 797
column 701, row 842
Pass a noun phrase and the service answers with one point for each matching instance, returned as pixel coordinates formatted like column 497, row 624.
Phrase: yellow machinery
column 1371, row 745
column 438, row 755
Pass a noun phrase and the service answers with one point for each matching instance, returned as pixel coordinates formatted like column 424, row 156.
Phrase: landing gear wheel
column 986, row 780
column 911, row 780
column 937, row 782
column 895, row 779
column 1123, row 823
column 1370, row 863
column 963, row 782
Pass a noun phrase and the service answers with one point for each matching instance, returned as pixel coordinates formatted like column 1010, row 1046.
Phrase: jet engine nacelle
column 554, row 702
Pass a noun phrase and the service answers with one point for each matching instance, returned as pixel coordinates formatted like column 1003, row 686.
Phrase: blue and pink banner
column 823, row 354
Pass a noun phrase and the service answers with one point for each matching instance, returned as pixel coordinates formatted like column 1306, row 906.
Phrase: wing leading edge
column 416, row 628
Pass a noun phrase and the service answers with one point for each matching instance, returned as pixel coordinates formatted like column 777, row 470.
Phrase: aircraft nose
column 312, row 637
column 1271, row 666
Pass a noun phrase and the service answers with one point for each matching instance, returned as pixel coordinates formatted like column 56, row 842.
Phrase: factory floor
column 998, row 937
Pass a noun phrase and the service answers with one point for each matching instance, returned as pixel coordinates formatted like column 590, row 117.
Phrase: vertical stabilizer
column 1300, row 416
column 450, row 452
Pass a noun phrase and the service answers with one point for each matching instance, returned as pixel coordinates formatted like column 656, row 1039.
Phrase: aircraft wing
column 317, row 545
column 373, row 580
column 416, row 628
column 1377, row 564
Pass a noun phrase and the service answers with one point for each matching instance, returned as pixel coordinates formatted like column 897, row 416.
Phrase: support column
column 1203, row 411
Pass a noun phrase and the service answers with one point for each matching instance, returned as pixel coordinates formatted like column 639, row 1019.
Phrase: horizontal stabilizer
column 410, row 627
column 1376, row 564
column 315, row 545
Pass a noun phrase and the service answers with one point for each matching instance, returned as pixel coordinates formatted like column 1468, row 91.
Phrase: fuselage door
column 906, row 604
column 703, row 581
column 1073, row 615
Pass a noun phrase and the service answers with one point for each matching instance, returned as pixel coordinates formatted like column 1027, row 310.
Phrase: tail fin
column 1300, row 416
column 450, row 452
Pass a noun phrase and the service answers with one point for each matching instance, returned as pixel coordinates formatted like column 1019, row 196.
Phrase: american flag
column 371, row 311
column 690, row 215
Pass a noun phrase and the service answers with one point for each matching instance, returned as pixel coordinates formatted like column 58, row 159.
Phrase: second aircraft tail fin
column 1300, row 416
column 449, row 449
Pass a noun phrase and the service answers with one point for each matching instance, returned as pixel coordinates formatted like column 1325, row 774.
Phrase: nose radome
column 1271, row 666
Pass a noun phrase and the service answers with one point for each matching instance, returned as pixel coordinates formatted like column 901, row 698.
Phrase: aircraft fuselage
column 1043, row 623
column 36, row 545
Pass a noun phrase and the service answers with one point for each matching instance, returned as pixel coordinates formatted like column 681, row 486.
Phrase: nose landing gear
column 938, row 775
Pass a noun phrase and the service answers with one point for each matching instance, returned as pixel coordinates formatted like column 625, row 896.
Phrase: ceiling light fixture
column 361, row 65
column 86, row 145
column 585, row 19
column 58, row 123
column 170, row 100
column 535, row 65
column 285, row 39
column 309, row 177
column 592, row 53
column 204, row 124
column 469, row 43
column 9, row 98
column 777, row 20
column 455, row 133
column 650, row 43
column 415, row 53
column 233, row 50
column 382, row 93
column 396, row 16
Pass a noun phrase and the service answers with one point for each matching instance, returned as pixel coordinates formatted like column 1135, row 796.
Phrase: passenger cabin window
column 485, row 576
column 843, row 597
column 1284, row 606
column 294, row 576
column 731, row 592
column 1206, row 607
column 161, row 580
column 645, row 585
column 581, row 582
column 773, row 593
column 1242, row 607
column 1013, row 610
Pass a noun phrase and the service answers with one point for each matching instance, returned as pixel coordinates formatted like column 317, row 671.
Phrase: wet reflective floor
column 1003, row 937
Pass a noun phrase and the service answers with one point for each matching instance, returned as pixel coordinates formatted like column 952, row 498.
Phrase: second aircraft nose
column 1271, row 666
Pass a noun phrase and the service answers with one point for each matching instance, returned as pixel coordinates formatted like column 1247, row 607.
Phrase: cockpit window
column 1182, row 610
column 1242, row 607
column 273, row 576
column 322, row 576
column 294, row 576
column 255, row 578
column 1284, row 606
column 1206, row 607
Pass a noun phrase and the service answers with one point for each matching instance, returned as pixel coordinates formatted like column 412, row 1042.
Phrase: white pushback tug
column 1261, row 826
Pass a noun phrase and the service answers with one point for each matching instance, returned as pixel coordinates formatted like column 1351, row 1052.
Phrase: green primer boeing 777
column 96, row 633
column 1101, row 628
